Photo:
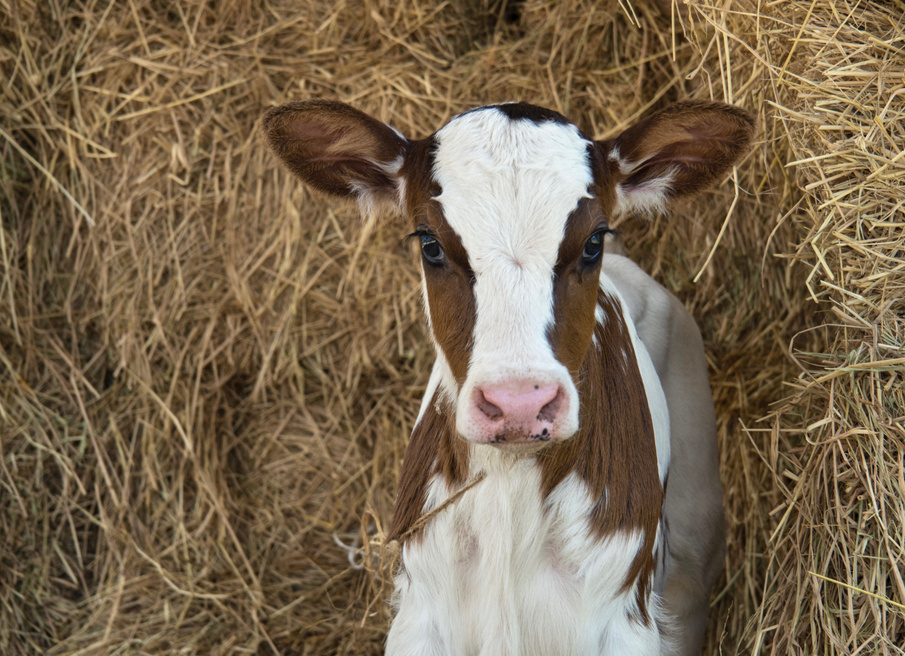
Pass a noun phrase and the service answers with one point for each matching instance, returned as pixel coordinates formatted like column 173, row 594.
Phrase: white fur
column 649, row 198
column 504, row 573
column 508, row 188
column 368, row 200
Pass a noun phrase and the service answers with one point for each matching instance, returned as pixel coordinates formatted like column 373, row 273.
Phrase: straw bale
column 209, row 374
column 835, row 446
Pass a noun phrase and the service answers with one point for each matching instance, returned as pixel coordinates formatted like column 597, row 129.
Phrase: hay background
column 207, row 375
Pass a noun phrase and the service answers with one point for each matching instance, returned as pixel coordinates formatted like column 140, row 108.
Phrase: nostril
column 488, row 408
column 551, row 409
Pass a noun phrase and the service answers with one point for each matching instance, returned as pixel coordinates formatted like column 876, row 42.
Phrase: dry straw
column 207, row 375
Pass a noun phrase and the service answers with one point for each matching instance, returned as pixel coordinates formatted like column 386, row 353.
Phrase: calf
column 567, row 382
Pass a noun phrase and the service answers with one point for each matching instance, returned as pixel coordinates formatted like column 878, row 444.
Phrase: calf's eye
column 431, row 250
column 593, row 248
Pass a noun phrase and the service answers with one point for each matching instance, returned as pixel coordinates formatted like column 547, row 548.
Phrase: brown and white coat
column 567, row 378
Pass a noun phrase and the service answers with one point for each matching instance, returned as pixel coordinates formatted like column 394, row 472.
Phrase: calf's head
column 510, row 205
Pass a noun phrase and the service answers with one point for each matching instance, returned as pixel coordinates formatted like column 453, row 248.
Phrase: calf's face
column 510, row 205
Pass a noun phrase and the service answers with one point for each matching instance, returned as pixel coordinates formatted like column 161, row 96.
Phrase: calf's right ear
column 675, row 152
column 338, row 150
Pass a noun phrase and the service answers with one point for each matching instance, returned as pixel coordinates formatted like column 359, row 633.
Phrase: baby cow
column 567, row 382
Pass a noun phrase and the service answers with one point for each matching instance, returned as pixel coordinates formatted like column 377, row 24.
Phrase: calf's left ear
column 338, row 150
column 678, row 151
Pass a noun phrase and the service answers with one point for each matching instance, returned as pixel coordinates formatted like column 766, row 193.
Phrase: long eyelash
column 420, row 232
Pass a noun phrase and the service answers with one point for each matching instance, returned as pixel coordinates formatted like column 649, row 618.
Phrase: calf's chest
column 504, row 569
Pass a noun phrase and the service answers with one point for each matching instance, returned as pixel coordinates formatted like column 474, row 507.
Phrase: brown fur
column 434, row 448
column 450, row 291
column 604, row 186
column 575, row 289
column 614, row 451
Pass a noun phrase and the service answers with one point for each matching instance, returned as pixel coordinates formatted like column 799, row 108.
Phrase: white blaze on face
column 508, row 187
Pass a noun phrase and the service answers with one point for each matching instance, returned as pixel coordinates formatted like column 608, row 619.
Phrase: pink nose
column 518, row 410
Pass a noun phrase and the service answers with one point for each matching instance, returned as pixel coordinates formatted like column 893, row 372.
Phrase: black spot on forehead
column 533, row 113
column 518, row 111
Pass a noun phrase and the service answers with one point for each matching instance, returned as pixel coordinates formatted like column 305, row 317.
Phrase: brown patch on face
column 450, row 286
column 614, row 451
column 575, row 287
column 433, row 449
column 604, row 186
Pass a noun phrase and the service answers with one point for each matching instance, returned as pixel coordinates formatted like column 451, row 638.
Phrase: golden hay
column 208, row 375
